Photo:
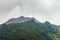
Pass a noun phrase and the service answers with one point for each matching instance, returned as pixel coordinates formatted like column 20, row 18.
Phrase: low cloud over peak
column 47, row 9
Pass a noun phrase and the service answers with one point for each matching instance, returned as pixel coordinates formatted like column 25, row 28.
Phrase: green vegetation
column 29, row 31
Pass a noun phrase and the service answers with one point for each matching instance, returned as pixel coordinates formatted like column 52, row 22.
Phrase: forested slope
column 29, row 30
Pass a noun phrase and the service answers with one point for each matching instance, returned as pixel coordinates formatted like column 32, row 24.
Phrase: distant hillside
column 29, row 30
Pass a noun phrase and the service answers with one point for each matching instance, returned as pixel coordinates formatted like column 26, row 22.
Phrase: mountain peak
column 20, row 19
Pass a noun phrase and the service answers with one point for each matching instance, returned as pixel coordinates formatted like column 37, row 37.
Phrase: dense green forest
column 29, row 30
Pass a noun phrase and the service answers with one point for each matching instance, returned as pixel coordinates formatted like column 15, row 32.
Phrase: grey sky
column 43, row 10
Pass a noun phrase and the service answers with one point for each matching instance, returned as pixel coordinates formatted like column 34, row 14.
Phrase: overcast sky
column 42, row 10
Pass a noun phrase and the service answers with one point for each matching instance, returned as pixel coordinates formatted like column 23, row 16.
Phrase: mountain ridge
column 21, row 19
column 31, row 29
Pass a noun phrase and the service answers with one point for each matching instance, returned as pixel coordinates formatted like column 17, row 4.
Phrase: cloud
column 30, row 5
column 48, row 9
column 26, row 5
column 6, row 5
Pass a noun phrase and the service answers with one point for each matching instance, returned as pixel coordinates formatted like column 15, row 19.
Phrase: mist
column 42, row 10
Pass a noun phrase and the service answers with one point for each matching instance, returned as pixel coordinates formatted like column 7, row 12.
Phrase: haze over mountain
column 43, row 10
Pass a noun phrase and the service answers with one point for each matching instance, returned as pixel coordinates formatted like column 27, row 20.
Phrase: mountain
column 21, row 19
column 26, row 28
